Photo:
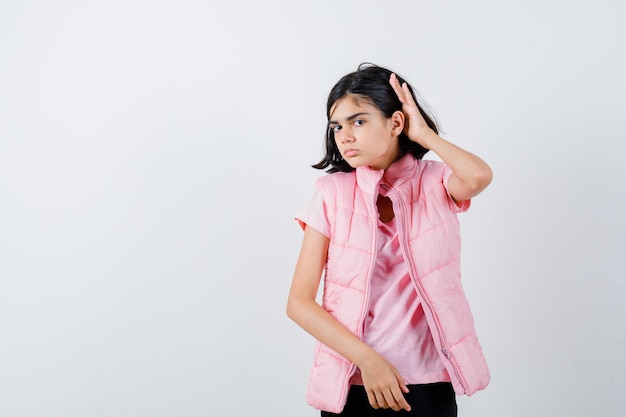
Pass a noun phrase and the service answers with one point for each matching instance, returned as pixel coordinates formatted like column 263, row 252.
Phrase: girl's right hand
column 384, row 384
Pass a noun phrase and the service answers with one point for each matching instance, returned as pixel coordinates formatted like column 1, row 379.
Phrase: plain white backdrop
column 153, row 154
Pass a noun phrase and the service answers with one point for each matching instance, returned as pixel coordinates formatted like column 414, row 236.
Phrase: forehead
column 351, row 104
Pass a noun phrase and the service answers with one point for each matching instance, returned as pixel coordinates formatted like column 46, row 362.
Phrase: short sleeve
column 313, row 214
column 457, row 207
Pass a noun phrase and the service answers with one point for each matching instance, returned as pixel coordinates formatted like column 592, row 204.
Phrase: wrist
column 364, row 356
column 429, row 139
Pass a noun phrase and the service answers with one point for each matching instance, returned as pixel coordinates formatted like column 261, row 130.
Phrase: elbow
column 292, row 308
column 484, row 177
column 480, row 180
column 298, row 307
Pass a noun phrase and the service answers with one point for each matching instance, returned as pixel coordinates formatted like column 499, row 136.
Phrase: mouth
column 350, row 152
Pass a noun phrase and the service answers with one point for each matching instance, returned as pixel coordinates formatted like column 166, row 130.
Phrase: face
column 364, row 136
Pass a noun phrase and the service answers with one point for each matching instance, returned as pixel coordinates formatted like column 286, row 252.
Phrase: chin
column 354, row 164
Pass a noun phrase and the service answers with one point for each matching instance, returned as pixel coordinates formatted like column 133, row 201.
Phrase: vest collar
column 398, row 173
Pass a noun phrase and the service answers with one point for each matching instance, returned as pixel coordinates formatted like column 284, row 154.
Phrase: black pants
column 426, row 400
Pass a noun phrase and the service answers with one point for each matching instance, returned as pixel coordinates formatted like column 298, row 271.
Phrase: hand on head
column 415, row 126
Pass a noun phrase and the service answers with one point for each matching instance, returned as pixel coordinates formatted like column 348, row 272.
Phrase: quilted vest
column 428, row 230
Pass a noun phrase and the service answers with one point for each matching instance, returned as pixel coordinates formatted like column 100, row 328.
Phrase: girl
column 394, row 329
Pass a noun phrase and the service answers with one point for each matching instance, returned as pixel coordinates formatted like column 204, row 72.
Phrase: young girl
column 395, row 332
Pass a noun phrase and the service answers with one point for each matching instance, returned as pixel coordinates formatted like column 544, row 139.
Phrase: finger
column 400, row 402
column 393, row 80
column 404, row 388
column 402, row 383
column 381, row 400
column 393, row 402
column 408, row 95
column 395, row 84
column 399, row 394
column 371, row 397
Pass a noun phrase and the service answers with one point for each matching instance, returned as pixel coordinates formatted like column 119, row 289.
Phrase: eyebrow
column 349, row 118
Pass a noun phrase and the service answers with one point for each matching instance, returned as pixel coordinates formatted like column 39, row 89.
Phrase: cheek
column 390, row 143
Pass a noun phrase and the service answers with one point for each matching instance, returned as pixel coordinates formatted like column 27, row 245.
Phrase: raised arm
column 470, row 174
column 383, row 383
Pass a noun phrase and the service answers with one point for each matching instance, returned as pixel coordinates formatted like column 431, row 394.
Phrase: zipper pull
column 446, row 353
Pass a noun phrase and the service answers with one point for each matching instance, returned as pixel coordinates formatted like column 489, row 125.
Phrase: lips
column 350, row 152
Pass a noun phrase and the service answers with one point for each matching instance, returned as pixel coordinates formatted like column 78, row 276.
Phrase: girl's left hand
column 415, row 126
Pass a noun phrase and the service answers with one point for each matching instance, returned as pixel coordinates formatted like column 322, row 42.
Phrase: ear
column 397, row 123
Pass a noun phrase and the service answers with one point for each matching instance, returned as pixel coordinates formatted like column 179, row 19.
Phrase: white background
column 153, row 154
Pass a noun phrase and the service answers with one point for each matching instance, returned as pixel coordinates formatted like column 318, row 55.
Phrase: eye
column 335, row 128
column 359, row 122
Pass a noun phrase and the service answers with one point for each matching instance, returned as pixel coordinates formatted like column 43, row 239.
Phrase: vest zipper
column 396, row 197
column 365, row 308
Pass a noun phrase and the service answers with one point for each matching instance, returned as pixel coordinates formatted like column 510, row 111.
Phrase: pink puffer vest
column 428, row 230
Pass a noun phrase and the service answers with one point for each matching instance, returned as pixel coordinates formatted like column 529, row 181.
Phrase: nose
column 344, row 135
